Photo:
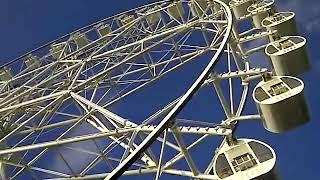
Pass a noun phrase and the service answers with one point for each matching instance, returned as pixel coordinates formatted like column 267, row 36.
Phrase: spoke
column 177, row 136
column 94, row 93
column 161, row 155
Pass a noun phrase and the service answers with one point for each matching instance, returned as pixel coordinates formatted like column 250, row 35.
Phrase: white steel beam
column 177, row 108
column 184, row 150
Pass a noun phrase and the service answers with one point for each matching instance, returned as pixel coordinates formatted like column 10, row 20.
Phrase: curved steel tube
column 119, row 170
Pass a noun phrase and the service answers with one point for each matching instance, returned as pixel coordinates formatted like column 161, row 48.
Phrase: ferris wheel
column 119, row 97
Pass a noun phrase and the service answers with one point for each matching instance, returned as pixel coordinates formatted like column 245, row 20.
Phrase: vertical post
column 2, row 171
column 221, row 96
column 2, row 165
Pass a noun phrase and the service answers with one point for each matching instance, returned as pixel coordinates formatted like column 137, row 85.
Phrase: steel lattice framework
column 61, row 98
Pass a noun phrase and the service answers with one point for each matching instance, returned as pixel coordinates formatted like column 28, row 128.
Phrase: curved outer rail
column 167, row 120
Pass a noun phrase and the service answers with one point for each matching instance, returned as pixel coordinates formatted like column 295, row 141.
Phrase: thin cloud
column 307, row 13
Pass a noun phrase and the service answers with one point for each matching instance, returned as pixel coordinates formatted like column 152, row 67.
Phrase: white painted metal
column 283, row 22
column 80, row 39
column 175, row 10
column 5, row 74
column 199, row 7
column 2, row 166
column 281, row 102
column 240, row 7
column 103, row 29
column 57, row 49
column 63, row 101
column 217, row 6
column 245, row 159
column 261, row 9
column 32, row 61
column 289, row 55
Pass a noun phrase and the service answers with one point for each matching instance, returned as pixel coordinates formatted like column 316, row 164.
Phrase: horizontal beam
column 34, row 101
column 167, row 120
column 183, row 129
column 175, row 172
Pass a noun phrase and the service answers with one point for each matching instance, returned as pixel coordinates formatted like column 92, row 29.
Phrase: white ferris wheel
column 119, row 98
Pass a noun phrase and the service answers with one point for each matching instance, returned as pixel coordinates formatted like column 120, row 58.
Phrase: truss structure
column 63, row 106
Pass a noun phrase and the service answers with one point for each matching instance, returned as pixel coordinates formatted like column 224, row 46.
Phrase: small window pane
column 222, row 167
column 262, row 152
column 260, row 94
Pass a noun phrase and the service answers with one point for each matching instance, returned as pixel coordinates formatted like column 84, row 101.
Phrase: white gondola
column 125, row 19
column 175, row 10
column 289, row 55
column 246, row 159
column 281, row 102
column 56, row 49
column 32, row 61
column 283, row 22
column 153, row 15
column 103, row 29
column 81, row 40
column 239, row 7
column 261, row 10
column 198, row 7
column 5, row 74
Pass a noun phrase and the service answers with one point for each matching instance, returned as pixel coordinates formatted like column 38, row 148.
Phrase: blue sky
column 26, row 25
